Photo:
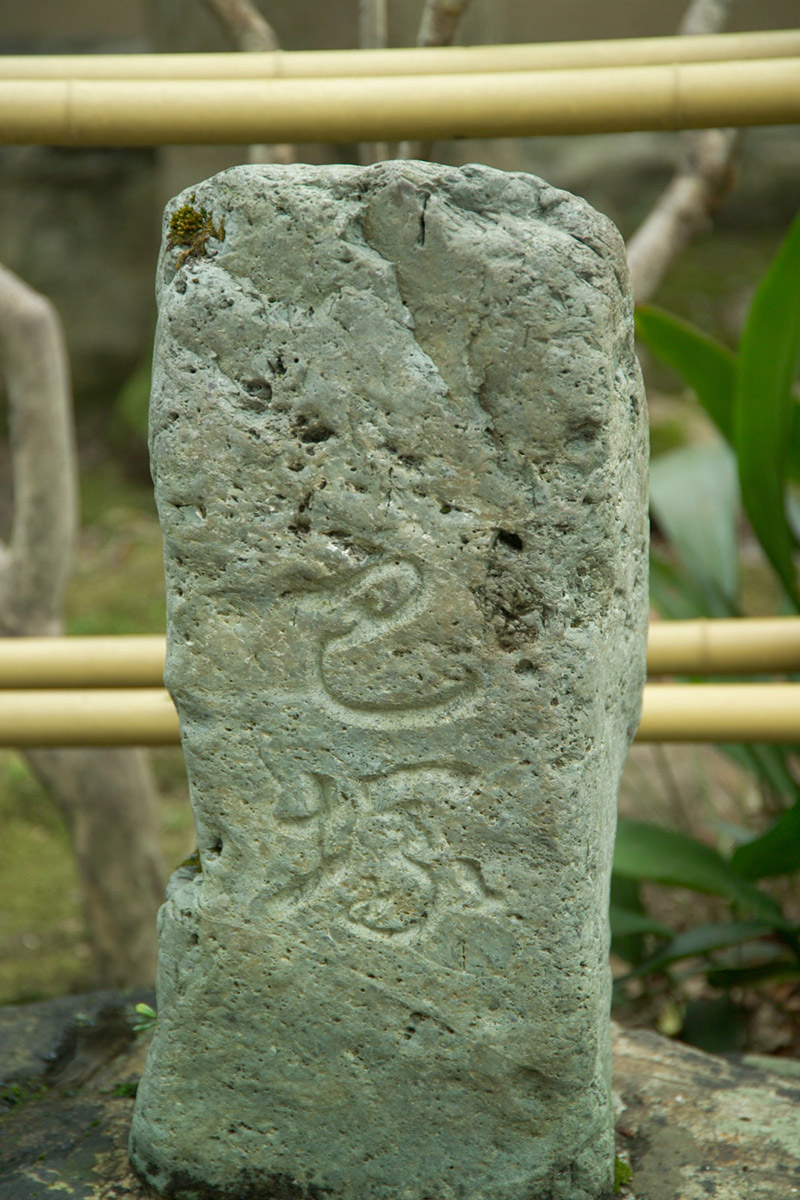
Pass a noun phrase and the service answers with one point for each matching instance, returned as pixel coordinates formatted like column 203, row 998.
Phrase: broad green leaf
column 673, row 593
column 763, row 405
column 624, row 897
column 645, row 851
column 777, row 972
column 695, row 943
column 708, row 367
column 775, row 852
column 768, row 763
column 624, row 922
column 694, row 496
column 715, row 1025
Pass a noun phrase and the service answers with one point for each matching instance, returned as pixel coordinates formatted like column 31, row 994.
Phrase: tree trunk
column 107, row 797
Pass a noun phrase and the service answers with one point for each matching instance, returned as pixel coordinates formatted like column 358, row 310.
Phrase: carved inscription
column 377, row 842
column 324, row 630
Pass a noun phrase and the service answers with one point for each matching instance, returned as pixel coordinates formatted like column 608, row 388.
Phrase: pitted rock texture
column 398, row 441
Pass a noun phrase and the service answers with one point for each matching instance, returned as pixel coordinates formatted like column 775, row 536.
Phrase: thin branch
column 33, row 358
column 705, row 16
column 684, row 210
column 702, row 181
column 252, row 32
column 439, row 21
column 437, row 27
column 373, row 34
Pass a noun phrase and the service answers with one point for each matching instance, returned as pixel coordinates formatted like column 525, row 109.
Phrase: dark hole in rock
column 311, row 430
column 510, row 539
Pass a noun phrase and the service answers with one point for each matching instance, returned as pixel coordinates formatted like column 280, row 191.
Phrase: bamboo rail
column 438, row 60
column 744, row 646
column 751, row 712
column 508, row 104
column 740, row 646
column 102, row 717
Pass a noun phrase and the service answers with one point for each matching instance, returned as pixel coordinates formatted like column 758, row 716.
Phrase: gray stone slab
column 398, row 441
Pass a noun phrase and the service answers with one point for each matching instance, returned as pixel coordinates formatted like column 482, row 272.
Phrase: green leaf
column 763, row 405
column 777, row 972
column 624, row 922
column 645, row 851
column 624, row 898
column 708, row 367
column 702, row 940
column 623, row 1174
column 775, row 852
column 694, row 496
column 769, row 764
column 673, row 593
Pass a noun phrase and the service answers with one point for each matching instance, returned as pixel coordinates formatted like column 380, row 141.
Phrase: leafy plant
column 147, row 1018
column 757, row 945
column 622, row 1175
column 750, row 398
column 697, row 496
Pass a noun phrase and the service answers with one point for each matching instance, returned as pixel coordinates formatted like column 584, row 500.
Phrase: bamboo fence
column 754, row 712
column 106, row 690
column 429, row 60
column 745, row 646
column 154, row 112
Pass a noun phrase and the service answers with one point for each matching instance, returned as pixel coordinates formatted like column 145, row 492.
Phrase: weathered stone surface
column 397, row 436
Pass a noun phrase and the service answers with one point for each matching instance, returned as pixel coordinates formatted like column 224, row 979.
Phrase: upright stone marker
column 398, row 439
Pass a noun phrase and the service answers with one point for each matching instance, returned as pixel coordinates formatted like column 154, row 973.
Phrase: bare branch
column 439, row 21
column 252, row 32
column 684, row 210
column 701, row 183
column 373, row 34
column 33, row 359
column 437, row 27
column 248, row 27
column 705, row 16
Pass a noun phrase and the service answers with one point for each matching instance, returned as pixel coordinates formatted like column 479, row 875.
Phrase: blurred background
column 83, row 227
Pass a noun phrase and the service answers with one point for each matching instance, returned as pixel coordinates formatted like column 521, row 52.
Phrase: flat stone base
column 691, row 1125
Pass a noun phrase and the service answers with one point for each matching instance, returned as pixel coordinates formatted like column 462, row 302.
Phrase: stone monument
column 398, row 438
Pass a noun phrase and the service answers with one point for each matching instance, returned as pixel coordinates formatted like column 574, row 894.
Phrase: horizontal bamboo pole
column 429, row 60
column 745, row 646
column 130, row 661
column 105, row 717
column 720, row 712
column 754, row 712
column 512, row 104
column 741, row 646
